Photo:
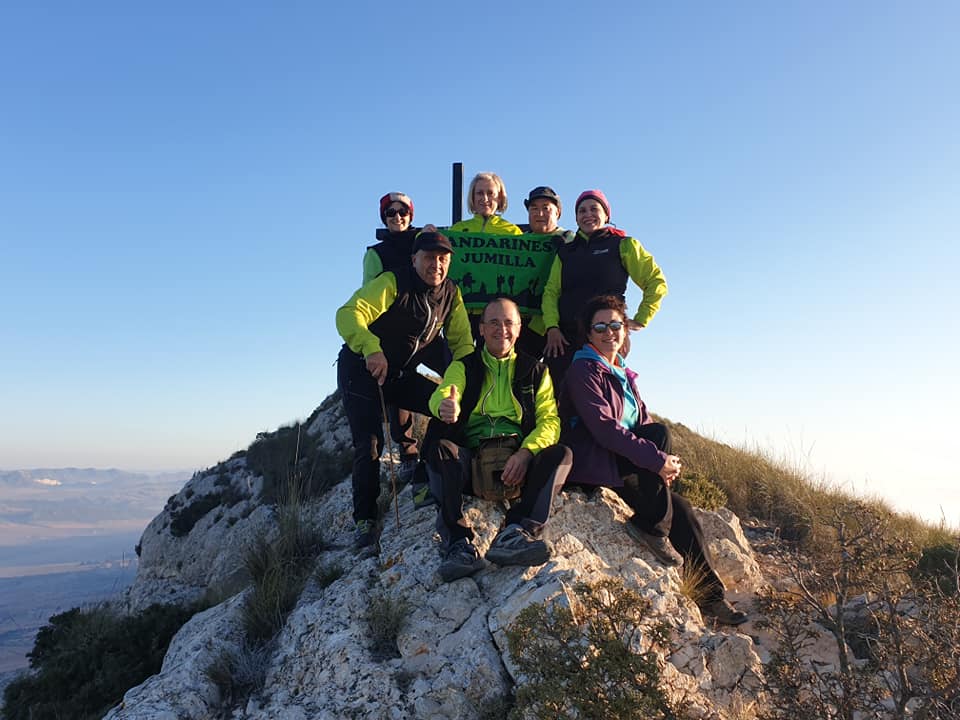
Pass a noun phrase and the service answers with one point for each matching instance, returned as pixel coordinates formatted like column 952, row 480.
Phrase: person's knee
column 659, row 434
column 555, row 455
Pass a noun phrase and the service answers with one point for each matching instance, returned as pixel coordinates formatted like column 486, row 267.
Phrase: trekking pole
column 389, row 439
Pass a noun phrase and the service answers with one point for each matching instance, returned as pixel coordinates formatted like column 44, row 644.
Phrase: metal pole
column 457, row 192
column 388, row 438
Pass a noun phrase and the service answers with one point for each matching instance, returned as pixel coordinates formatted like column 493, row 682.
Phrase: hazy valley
column 67, row 539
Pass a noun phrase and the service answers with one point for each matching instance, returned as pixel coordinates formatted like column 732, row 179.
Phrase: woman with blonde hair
column 487, row 200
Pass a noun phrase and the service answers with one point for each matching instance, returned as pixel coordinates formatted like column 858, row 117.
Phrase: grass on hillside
column 788, row 498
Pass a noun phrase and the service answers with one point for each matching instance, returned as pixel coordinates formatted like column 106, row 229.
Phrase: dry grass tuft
column 786, row 496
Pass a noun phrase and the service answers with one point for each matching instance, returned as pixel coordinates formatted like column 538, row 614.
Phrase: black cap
column 432, row 241
column 543, row 191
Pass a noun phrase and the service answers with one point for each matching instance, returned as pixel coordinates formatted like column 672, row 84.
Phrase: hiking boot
column 459, row 560
column 421, row 495
column 723, row 612
column 514, row 546
column 364, row 534
column 408, row 466
column 658, row 544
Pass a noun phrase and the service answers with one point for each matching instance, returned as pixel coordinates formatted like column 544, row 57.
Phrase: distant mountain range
column 55, row 503
column 85, row 476
column 67, row 537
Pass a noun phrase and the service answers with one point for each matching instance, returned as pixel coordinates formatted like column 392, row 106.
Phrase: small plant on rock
column 584, row 661
column 386, row 616
column 701, row 492
column 240, row 672
column 327, row 575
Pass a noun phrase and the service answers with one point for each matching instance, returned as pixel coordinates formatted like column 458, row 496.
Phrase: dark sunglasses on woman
column 602, row 327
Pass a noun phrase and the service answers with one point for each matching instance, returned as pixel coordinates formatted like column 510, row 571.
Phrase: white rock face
column 451, row 652
column 178, row 568
column 182, row 688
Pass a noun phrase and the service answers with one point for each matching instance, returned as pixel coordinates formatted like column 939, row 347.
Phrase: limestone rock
column 197, row 541
column 451, row 654
column 449, row 657
column 183, row 689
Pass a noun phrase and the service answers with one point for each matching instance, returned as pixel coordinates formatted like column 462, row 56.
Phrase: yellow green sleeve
column 457, row 329
column 536, row 324
column 547, row 430
column 551, row 296
column 364, row 306
column 372, row 265
column 455, row 374
column 646, row 275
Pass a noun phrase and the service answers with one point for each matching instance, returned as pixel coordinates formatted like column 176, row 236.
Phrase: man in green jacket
column 389, row 326
column 495, row 397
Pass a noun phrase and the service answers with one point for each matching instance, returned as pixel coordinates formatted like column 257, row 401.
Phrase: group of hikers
column 534, row 396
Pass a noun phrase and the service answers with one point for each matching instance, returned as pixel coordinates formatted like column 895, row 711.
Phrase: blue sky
column 186, row 192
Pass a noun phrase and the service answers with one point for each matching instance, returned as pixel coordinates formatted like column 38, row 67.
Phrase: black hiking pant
column 361, row 404
column 450, row 473
column 660, row 511
column 437, row 357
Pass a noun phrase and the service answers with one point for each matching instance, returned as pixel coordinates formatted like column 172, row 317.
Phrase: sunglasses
column 402, row 212
column 616, row 325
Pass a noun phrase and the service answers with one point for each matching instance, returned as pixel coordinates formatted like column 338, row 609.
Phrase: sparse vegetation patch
column 386, row 615
column 84, row 660
column 585, row 661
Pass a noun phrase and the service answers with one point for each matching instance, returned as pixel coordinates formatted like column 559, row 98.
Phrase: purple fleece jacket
column 594, row 396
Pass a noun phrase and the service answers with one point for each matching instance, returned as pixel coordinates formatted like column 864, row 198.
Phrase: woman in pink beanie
column 598, row 260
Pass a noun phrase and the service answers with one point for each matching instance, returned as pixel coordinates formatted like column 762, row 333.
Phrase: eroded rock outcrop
column 451, row 653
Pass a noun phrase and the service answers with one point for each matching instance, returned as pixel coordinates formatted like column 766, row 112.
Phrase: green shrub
column 327, row 575
column 701, row 492
column 291, row 453
column 183, row 520
column 863, row 591
column 85, row 660
column 582, row 661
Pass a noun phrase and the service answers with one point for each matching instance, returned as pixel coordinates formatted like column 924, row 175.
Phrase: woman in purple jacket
column 616, row 445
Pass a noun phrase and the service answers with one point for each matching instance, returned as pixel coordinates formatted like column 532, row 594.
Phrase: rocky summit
column 451, row 657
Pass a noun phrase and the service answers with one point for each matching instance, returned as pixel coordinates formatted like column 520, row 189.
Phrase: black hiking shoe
column 514, row 546
column 723, row 612
column 364, row 534
column 460, row 560
column 659, row 545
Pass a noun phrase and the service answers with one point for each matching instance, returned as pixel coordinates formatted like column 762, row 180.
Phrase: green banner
column 487, row 266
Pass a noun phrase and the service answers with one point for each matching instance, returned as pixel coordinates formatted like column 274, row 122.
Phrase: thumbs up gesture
column 450, row 406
